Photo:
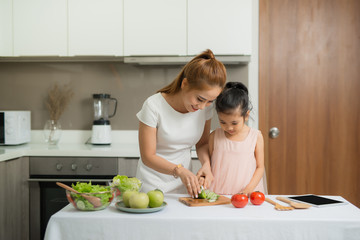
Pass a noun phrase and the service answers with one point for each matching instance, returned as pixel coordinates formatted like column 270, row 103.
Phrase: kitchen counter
column 73, row 144
column 69, row 150
column 178, row 221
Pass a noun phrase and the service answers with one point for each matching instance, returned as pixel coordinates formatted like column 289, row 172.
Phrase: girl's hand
column 190, row 181
column 247, row 191
column 201, row 181
column 205, row 176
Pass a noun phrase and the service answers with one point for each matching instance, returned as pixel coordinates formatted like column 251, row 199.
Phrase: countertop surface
column 73, row 144
column 69, row 150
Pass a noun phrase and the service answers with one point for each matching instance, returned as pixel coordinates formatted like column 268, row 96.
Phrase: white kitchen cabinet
column 6, row 34
column 124, row 27
column 156, row 27
column 96, row 27
column 40, row 27
column 225, row 26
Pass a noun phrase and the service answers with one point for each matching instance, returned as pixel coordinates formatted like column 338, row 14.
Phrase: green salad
column 124, row 183
column 103, row 192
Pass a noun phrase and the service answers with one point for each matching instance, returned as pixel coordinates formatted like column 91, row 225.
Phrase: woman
column 174, row 119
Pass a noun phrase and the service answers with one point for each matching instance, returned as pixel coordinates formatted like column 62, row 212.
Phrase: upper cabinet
column 40, row 27
column 222, row 26
column 95, row 27
column 180, row 27
column 156, row 27
column 6, row 34
column 125, row 27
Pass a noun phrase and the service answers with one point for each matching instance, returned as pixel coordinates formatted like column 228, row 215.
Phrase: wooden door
column 309, row 87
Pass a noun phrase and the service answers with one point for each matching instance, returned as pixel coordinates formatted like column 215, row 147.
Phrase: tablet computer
column 316, row 201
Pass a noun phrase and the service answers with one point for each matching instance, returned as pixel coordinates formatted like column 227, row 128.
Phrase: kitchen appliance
column 47, row 198
column 101, row 129
column 15, row 127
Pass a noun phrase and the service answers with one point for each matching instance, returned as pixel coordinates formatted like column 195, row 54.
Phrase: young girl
column 175, row 119
column 236, row 150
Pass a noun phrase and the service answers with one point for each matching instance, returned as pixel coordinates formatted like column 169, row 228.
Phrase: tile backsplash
column 24, row 86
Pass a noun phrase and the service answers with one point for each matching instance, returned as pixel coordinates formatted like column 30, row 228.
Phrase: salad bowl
column 80, row 201
column 122, row 183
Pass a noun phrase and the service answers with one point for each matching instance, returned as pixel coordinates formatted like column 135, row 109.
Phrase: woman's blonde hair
column 201, row 72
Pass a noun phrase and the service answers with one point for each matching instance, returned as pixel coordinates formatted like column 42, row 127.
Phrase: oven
column 46, row 198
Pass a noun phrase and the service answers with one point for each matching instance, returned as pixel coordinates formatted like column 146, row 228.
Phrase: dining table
column 175, row 220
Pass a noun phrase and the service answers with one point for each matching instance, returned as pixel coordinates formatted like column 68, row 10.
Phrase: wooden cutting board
column 194, row 202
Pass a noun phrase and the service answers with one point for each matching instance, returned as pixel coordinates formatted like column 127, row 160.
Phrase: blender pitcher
column 101, row 130
column 101, row 108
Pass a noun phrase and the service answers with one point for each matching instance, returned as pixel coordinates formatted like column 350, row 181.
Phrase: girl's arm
column 260, row 167
column 202, row 150
column 147, row 144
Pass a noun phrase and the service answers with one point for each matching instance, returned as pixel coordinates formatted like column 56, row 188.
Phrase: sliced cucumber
column 80, row 205
column 202, row 195
column 208, row 195
column 212, row 197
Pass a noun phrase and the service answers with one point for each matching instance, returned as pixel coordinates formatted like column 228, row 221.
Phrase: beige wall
column 24, row 86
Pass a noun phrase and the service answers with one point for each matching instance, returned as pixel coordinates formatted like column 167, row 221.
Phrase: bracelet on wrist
column 175, row 168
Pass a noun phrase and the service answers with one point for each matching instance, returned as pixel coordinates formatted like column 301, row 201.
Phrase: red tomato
column 257, row 198
column 117, row 192
column 239, row 200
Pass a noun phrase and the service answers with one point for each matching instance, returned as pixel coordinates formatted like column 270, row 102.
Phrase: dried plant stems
column 57, row 100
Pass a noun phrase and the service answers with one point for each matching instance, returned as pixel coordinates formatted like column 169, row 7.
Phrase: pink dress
column 233, row 163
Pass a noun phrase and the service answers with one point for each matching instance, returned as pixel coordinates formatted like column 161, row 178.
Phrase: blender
column 101, row 129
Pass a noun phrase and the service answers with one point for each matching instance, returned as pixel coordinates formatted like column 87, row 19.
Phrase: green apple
column 156, row 198
column 139, row 200
column 126, row 197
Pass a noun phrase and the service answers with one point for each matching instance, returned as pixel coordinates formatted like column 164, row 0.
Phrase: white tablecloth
column 177, row 221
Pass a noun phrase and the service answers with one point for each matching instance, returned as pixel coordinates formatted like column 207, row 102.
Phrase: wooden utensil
column 92, row 199
column 195, row 202
column 278, row 206
column 294, row 204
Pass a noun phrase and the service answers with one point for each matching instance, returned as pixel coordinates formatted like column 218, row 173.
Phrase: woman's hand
column 190, row 181
column 205, row 175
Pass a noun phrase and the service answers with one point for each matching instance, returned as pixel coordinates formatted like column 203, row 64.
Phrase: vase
column 52, row 132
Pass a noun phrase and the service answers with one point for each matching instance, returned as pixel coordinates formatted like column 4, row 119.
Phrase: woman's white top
column 176, row 134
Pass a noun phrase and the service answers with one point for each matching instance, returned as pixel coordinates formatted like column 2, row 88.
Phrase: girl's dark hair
column 235, row 96
column 202, row 71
